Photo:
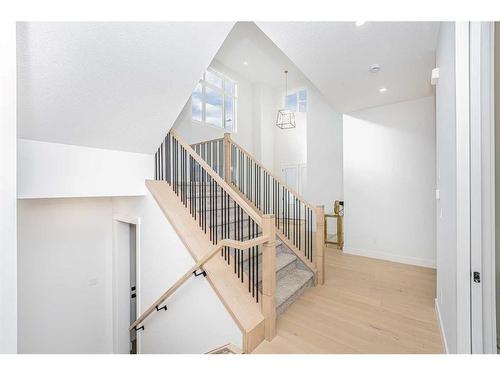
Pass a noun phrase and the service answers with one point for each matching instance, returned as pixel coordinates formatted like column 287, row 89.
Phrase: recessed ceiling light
column 359, row 23
column 375, row 68
column 382, row 89
column 245, row 63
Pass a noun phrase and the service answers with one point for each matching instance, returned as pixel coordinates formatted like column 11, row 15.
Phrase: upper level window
column 213, row 102
column 297, row 101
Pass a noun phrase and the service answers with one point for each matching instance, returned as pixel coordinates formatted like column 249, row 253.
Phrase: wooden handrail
column 223, row 184
column 203, row 142
column 296, row 194
column 241, row 245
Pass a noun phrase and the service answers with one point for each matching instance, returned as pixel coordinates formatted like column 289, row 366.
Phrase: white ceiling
column 115, row 85
column 121, row 86
column 266, row 62
column 335, row 57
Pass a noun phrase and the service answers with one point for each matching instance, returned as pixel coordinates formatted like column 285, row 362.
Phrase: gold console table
column 338, row 214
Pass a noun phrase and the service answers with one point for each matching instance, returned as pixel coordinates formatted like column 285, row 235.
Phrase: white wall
column 196, row 320
column 71, row 287
column 53, row 170
column 8, row 236
column 290, row 145
column 265, row 107
column 324, row 152
column 389, row 182
column 64, row 251
column 194, row 133
column 446, row 225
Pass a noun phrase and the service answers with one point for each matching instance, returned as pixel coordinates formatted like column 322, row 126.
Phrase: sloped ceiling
column 265, row 62
column 117, row 86
column 336, row 57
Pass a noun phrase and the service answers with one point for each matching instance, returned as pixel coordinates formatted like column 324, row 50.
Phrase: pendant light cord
column 286, row 83
column 286, row 86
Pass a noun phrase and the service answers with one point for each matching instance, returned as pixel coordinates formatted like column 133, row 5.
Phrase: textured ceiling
column 111, row 85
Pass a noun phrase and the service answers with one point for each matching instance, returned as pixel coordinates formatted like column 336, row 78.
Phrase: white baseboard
column 429, row 263
column 441, row 330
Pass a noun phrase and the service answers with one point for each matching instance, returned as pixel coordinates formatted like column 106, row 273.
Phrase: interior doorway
column 126, row 292
column 133, row 285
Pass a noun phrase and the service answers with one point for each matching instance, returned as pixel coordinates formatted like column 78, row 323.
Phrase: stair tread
column 290, row 284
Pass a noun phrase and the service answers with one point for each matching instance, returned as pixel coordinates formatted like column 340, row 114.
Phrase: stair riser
column 289, row 301
column 280, row 273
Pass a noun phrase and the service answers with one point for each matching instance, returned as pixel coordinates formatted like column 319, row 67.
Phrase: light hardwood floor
column 365, row 306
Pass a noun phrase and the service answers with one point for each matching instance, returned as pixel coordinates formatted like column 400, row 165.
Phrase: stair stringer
column 245, row 312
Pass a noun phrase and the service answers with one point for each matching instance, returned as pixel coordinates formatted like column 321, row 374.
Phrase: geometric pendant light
column 286, row 117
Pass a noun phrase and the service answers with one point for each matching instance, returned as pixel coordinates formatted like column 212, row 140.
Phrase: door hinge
column 476, row 277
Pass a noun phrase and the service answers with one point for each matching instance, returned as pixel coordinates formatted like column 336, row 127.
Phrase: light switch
column 437, row 194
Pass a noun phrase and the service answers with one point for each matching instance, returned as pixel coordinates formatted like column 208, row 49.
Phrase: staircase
column 258, row 243
column 296, row 267
column 293, row 277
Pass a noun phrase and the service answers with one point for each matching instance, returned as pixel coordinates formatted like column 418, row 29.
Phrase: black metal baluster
column 210, row 208
column 216, row 210
column 161, row 164
column 240, row 265
column 165, row 160
column 295, row 237
column 250, row 274
column 177, row 169
column 259, row 187
column 235, row 234
column 228, row 225
column 306, row 229
column 174, row 164
column 190, row 189
column 238, row 237
column 203, row 201
column 156, row 165
column 199, row 194
column 182, row 173
column 248, row 237
column 284, row 210
column 169, row 159
column 257, row 273
column 183, row 177
column 310, row 234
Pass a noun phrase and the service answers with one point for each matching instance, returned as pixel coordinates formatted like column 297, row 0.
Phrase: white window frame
column 204, row 84
column 296, row 93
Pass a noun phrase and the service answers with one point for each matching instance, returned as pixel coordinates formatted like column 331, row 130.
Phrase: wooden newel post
column 320, row 244
column 269, row 276
column 227, row 158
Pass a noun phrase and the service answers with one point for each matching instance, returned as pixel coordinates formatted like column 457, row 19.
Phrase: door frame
column 482, row 256
column 135, row 220
column 463, row 179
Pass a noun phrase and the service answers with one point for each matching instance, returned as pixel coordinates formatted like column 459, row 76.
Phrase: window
column 213, row 101
column 297, row 102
